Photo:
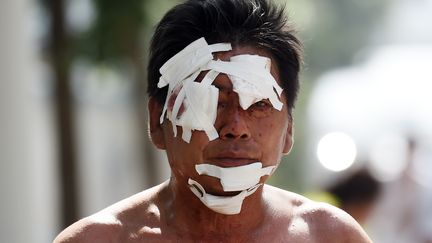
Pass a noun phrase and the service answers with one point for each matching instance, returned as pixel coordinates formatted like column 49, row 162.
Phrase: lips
column 231, row 153
column 232, row 162
column 232, row 159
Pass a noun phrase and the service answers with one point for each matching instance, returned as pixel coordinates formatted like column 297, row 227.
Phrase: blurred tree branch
column 115, row 38
column 59, row 54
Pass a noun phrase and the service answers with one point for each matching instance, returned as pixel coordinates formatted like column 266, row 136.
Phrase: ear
column 155, row 127
column 289, row 138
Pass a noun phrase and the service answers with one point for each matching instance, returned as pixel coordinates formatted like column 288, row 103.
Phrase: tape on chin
column 244, row 179
column 220, row 204
column 236, row 178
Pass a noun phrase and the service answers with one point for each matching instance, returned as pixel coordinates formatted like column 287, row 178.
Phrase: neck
column 189, row 216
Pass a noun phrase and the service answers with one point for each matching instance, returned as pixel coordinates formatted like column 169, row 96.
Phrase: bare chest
column 295, row 232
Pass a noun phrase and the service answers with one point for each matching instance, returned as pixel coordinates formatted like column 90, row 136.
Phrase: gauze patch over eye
column 198, row 117
column 195, row 105
column 199, row 100
column 251, row 79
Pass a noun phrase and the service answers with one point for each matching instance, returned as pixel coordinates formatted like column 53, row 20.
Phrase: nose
column 233, row 123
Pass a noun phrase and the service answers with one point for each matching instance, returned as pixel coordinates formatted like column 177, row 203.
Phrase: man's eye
column 262, row 104
column 261, row 108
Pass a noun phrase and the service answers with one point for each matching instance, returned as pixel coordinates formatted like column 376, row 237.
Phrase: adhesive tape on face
column 224, row 205
column 236, row 178
column 249, row 74
column 200, row 105
column 199, row 100
column 189, row 60
column 251, row 79
column 240, row 178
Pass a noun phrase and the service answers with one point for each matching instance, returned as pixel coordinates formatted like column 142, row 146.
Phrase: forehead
column 241, row 49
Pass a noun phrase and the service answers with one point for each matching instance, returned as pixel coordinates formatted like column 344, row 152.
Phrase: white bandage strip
column 251, row 79
column 200, row 104
column 172, row 88
column 189, row 60
column 249, row 74
column 225, row 205
column 198, row 99
column 236, row 178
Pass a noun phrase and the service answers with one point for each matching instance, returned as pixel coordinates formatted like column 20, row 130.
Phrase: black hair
column 359, row 187
column 258, row 23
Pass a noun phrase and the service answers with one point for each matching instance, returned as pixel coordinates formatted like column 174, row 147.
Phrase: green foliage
column 116, row 32
column 340, row 29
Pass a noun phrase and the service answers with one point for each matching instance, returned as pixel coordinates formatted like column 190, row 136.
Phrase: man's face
column 260, row 133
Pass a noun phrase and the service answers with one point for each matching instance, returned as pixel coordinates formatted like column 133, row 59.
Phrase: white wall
column 28, row 209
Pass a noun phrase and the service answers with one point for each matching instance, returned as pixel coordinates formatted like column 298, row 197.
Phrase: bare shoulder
column 330, row 223
column 116, row 222
column 320, row 221
column 95, row 228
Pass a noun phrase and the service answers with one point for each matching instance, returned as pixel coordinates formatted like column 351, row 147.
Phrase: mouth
column 232, row 154
column 232, row 161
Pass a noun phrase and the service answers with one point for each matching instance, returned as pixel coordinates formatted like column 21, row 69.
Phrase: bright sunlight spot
column 336, row 151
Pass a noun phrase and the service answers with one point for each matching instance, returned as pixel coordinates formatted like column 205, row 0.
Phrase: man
column 223, row 78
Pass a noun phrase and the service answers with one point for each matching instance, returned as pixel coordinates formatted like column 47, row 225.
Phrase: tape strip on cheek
column 236, row 178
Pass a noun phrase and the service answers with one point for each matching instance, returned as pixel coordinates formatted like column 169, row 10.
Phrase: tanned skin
column 170, row 212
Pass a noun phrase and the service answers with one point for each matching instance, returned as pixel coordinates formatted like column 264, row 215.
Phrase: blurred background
column 73, row 119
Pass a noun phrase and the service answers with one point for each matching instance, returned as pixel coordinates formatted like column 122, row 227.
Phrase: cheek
column 271, row 136
column 183, row 156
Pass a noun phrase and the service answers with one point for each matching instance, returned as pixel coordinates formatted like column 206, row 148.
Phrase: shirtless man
column 222, row 78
